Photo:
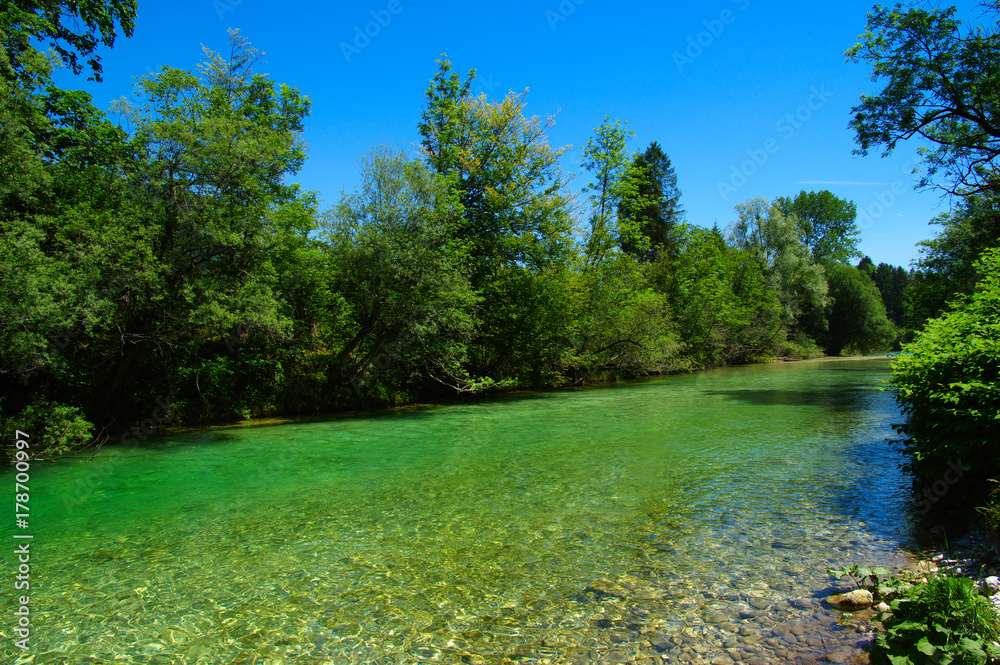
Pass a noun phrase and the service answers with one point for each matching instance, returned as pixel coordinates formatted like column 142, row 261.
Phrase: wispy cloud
column 841, row 182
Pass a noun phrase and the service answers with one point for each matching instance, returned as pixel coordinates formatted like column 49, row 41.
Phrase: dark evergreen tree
column 892, row 283
column 656, row 205
column 867, row 266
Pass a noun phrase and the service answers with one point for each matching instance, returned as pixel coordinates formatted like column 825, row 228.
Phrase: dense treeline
column 167, row 270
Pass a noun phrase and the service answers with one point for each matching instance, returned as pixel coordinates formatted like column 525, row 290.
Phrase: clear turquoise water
column 471, row 533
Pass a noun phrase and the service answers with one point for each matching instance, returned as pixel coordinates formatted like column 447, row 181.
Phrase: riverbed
column 684, row 519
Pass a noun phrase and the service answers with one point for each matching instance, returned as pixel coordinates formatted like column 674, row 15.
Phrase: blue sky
column 748, row 98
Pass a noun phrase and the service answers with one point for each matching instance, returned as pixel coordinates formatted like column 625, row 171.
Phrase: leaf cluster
column 947, row 382
column 946, row 620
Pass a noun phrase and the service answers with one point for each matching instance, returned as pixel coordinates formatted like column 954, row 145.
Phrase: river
column 684, row 519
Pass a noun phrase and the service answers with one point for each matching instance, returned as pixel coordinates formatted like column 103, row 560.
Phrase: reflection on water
column 691, row 517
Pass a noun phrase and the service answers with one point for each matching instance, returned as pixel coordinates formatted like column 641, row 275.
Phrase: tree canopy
column 941, row 84
column 826, row 224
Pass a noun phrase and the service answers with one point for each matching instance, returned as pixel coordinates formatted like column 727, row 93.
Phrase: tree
column 444, row 121
column 893, row 283
column 656, row 210
column 58, row 161
column 945, row 268
column 625, row 326
column 855, row 314
column 867, row 266
column 616, row 178
column 826, row 224
column 25, row 21
column 500, row 161
column 515, row 224
column 206, row 204
column 942, row 85
column 726, row 310
column 773, row 237
column 409, row 302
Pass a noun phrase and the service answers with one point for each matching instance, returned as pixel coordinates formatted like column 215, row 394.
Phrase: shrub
column 54, row 428
column 943, row 621
column 947, row 384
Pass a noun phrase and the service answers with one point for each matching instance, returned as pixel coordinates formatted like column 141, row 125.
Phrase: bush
column 943, row 621
column 946, row 382
column 53, row 428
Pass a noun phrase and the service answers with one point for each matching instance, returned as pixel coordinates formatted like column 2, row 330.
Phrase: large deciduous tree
column 207, row 205
column 773, row 237
column 514, row 225
column 402, row 275
column 941, row 84
column 826, row 224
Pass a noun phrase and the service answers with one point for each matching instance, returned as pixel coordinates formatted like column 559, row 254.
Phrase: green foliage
column 880, row 581
column 947, row 383
column 943, row 621
column 653, row 209
column 617, row 182
column 625, row 326
column 90, row 24
column 514, row 228
column 54, row 428
column 856, row 315
column 946, row 267
column 402, row 277
column 826, row 224
column 774, row 238
column 893, row 284
column 725, row 310
column 941, row 85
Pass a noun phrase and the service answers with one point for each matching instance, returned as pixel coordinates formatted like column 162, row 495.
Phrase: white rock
column 993, row 583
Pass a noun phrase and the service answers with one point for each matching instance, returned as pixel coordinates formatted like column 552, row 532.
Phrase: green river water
column 684, row 519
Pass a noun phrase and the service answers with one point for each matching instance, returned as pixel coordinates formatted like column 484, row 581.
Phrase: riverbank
column 972, row 556
column 403, row 403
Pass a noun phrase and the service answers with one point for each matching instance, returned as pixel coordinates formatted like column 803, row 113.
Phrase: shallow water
column 684, row 519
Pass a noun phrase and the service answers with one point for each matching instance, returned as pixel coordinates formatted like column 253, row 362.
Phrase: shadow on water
column 836, row 399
